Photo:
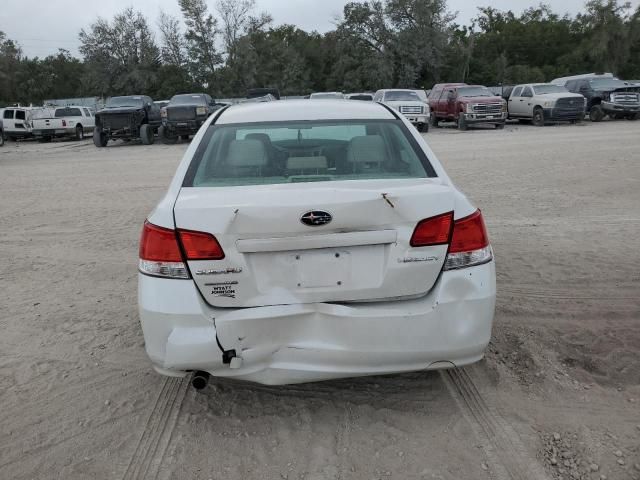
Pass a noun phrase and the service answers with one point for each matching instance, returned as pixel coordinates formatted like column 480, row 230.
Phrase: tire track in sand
column 151, row 447
column 506, row 453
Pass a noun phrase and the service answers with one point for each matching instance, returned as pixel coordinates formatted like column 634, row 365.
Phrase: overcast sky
column 43, row 26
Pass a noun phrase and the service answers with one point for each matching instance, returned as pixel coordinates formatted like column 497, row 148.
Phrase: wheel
column 423, row 127
column 79, row 132
column 165, row 137
column 100, row 139
column 500, row 126
column 596, row 114
column 1, row 139
column 538, row 117
column 632, row 116
column 434, row 121
column 184, row 137
column 146, row 134
column 462, row 124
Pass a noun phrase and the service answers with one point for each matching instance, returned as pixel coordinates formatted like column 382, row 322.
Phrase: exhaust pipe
column 200, row 380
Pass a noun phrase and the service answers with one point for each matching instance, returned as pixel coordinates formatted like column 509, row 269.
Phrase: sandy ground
column 558, row 395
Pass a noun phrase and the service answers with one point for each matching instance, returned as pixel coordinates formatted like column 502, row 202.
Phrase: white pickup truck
column 72, row 121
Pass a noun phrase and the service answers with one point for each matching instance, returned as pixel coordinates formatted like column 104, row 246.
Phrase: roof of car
column 300, row 110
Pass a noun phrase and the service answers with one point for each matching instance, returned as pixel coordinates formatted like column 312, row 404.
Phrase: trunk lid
column 273, row 258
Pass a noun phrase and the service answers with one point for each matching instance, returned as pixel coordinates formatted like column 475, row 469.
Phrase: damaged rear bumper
column 451, row 326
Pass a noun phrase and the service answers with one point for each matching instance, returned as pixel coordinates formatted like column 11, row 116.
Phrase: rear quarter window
column 295, row 152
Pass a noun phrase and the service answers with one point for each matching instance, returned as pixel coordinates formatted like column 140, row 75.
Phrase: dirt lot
column 558, row 395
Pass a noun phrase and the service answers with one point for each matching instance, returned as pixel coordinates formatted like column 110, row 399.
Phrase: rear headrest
column 246, row 153
column 367, row 149
column 263, row 137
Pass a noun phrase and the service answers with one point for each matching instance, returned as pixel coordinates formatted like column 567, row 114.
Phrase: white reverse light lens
column 468, row 259
column 163, row 269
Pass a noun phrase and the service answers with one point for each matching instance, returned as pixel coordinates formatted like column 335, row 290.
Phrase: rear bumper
column 451, row 326
column 54, row 132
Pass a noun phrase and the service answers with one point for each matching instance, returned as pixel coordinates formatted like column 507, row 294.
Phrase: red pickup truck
column 466, row 104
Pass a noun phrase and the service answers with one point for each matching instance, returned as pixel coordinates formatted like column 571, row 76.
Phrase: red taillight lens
column 159, row 244
column 433, row 231
column 64, row 123
column 200, row 246
column 469, row 234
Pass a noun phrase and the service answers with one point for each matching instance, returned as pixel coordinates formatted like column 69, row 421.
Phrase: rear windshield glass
column 321, row 96
column 400, row 96
column 474, row 92
column 283, row 152
column 545, row 89
column 188, row 100
column 68, row 112
column 125, row 102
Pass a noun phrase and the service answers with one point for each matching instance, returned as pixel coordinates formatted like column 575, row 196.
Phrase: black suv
column 607, row 96
column 133, row 116
column 184, row 115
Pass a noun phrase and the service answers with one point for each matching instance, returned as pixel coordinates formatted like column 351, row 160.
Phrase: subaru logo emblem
column 316, row 218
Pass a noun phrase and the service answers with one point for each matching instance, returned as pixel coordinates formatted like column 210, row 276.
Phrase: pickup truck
column 126, row 118
column 545, row 102
column 466, row 105
column 606, row 95
column 71, row 121
column 408, row 103
column 184, row 115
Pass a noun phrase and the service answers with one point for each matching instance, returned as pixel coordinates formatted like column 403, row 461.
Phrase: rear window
column 188, row 100
column 291, row 152
column 68, row 112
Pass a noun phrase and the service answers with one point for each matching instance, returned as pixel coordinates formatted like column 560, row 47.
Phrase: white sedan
column 309, row 241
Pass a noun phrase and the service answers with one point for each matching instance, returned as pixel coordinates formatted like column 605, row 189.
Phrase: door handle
column 522, row 100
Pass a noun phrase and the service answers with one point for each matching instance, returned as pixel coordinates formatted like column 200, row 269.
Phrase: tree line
column 229, row 48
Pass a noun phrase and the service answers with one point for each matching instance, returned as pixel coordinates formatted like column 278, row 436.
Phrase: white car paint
column 396, row 310
column 18, row 121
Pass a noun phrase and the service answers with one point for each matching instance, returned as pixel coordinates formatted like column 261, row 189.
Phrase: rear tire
column 79, row 132
column 500, row 126
column 596, row 114
column 100, row 139
column 423, row 127
column 1, row 139
column 146, row 134
column 434, row 121
column 462, row 124
column 184, row 137
column 538, row 117
column 165, row 137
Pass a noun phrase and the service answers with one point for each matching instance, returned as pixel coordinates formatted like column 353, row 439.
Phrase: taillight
column 163, row 112
column 160, row 254
column 200, row 246
column 64, row 123
column 469, row 243
column 433, row 231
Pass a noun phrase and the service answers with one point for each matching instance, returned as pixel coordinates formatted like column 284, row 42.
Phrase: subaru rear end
column 314, row 243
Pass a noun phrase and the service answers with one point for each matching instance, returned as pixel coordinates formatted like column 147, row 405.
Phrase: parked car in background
column 72, row 121
column 408, row 103
column 545, row 102
column 263, row 92
column 606, row 95
column 18, row 122
column 184, row 115
column 367, row 97
column 303, row 241
column 1, row 133
column 466, row 105
column 128, row 117
column 327, row 96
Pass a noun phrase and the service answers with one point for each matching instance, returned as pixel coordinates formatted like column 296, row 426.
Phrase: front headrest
column 367, row 149
column 263, row 137
column 246, row 153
